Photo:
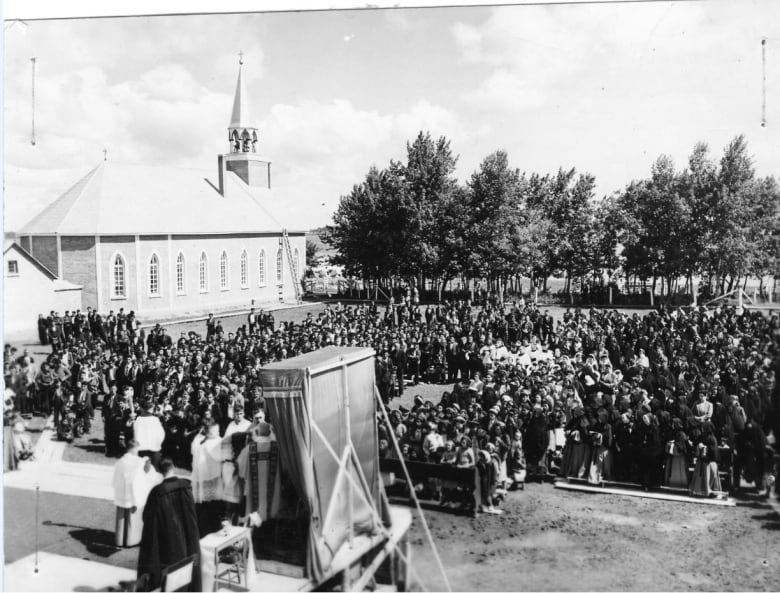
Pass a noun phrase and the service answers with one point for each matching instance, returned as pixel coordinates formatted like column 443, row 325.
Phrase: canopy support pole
column 411, row 489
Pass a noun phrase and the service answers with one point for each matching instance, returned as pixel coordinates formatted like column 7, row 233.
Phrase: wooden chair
column 231, row 570
column 178, row 576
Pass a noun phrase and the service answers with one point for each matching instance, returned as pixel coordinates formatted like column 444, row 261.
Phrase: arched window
column 180, row 284
column 223, row 271
column 244, row 269
column 118, row 285
column 261, row 268
column 279, row 269
column 297, row 264
column 203, row 272
column 154, row 275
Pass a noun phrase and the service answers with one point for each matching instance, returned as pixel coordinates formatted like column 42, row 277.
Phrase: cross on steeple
column 240, row 57
column 105, row 154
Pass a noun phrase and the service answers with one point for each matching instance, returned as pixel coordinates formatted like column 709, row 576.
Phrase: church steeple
column 241, row 135
column 242, row 159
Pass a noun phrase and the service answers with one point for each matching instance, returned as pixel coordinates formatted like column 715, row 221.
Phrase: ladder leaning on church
column 293, row 270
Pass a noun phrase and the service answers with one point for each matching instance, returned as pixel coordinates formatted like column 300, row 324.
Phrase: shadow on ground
column 96, row 541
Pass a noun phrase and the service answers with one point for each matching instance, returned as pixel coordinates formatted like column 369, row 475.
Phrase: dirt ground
column 555, row 540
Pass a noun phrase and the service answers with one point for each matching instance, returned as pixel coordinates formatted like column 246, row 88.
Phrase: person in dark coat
column 43, row 330
column 650, row 449
column 170, row 530
column 537, row 438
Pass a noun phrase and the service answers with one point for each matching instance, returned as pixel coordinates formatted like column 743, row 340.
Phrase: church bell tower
column 243, row 159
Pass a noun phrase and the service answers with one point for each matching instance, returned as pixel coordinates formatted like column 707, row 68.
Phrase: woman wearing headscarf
column 487, row 482
column 600, row 433
column 706, row 481
column 650, row 448
column 536, row 441
column 576, row 453
column 678, row 452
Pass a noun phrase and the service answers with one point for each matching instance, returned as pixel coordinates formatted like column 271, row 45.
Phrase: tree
column 566, row 202
column 493, row 211
column 312, row 249
column 658, row 219
column 395, row 222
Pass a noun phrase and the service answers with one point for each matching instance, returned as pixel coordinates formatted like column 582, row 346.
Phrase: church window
column 118, row 286
column 279, row 270
column 297, row 263
column 244, row 269
column 223, row 271
column 154, row 275
column 180, row 287
column 203, row 272
column 261, row 268
column 13, row 267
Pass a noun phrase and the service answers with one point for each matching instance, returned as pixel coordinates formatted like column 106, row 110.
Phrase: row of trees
column 713, row 219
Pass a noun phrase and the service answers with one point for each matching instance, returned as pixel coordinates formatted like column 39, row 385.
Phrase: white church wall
column 110, row 247
column 169, row 300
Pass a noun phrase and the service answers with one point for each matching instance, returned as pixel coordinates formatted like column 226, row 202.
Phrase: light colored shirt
column 432, row 442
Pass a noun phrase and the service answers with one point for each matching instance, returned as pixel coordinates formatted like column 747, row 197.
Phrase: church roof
column 123, row 199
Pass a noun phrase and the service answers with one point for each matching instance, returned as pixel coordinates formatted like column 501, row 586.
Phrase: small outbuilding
column 30, row 289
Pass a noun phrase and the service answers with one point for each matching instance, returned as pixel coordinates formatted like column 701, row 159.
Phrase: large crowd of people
column 597, row 394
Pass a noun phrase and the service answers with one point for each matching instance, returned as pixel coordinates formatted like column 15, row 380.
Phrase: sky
column 604, row 88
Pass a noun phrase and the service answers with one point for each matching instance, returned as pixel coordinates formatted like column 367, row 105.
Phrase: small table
column 216, row 573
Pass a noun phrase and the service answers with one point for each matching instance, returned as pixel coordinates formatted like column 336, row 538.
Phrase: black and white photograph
column 391, row 297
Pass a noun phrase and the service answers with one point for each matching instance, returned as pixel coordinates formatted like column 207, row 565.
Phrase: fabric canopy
column 322, row 407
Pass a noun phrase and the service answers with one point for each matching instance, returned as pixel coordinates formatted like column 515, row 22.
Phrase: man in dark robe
column 170, row 528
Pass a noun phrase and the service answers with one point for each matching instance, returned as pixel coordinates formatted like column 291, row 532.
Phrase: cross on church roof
column 105, row 154
column 240, row 57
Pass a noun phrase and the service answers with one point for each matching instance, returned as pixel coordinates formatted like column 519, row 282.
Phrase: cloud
column 320, row 150
column 607, row 88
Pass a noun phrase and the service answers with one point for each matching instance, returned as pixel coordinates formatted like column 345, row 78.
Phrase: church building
column 165, row 241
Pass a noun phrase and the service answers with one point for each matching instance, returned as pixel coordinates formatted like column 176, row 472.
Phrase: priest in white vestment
column 258, row 467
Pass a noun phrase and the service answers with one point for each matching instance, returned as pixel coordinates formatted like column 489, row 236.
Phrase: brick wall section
column 78, row 266
column 44, row 249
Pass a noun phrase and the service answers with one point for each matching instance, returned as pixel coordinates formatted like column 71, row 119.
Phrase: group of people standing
column 672, row 398
column 594, row 394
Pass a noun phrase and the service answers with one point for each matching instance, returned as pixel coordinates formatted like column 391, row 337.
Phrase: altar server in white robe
column 133, row 479
column 231, row 484
column 207, row 479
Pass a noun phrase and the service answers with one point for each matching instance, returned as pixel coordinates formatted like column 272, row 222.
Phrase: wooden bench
column 465, row 477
